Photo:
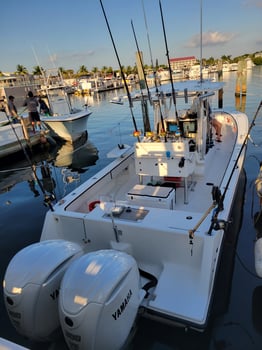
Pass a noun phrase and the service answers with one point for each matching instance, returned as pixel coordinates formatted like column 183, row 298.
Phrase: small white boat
column 226, row 67
column 16, row 137
column 65, row 121
column 194, row 72
column 233, row 67
column 143, row 237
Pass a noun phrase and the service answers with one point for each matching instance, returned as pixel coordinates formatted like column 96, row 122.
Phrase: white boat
column 226, row 67
column 194, row 72
column 141, row 238
column 65, row 121
column 17, row 137
column 233, row 67
column 196, row 69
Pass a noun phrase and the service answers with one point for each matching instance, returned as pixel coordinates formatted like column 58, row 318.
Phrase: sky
column 72, row 33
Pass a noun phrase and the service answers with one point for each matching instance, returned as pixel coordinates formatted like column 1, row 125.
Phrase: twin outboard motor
column 31, row 287
column 99, row 300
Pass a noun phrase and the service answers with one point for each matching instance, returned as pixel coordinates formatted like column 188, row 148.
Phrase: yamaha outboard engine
column 31, row 287
column 99, row 300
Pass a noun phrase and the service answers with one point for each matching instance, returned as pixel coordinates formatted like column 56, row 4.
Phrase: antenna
column 201, row 44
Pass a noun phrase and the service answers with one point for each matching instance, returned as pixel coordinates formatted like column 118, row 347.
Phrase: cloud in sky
column 210, row 39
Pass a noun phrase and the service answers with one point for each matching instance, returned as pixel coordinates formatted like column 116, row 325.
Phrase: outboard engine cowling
column 99, row 300
column 31, row 287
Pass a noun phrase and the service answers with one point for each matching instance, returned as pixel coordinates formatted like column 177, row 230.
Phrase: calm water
column 236, row 321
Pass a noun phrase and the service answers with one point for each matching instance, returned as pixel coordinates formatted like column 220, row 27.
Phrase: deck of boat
column 199, row 185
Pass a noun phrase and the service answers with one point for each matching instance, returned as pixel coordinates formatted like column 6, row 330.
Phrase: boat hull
column 13, row 139
column 154, row 223
column 69, row 127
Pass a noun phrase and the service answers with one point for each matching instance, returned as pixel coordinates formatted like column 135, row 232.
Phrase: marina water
column 236, row 320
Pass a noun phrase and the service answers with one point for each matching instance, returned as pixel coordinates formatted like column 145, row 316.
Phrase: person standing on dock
column 12, row 110
column 32, row 104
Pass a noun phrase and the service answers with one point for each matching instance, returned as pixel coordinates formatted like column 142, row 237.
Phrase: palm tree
column 82, row 70
column 37, row 70
column 225, row 58
column 95, row 71
column 62, row 71
column 103, row 70
column 21, row 70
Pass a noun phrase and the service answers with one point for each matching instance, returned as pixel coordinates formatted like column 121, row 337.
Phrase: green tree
column 37, row 70
column 257, row 61
column 82, row 70
column 62, row 71
column 225, row 58
column 21, row 70
column 95, row 71
column 104, row 70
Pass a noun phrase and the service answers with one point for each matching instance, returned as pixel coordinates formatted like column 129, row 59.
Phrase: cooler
column 152, row 196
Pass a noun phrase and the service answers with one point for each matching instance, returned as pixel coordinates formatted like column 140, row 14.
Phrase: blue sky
column 71, row 33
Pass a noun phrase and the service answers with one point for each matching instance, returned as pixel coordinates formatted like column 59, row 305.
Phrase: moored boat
column 18, row 137
column 144, row 236
column 64, row 120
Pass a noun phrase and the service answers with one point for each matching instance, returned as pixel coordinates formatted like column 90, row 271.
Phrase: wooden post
column 220, row 98
column 241, row 82
column 244, row 78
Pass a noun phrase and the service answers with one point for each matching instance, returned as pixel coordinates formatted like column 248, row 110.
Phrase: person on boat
column 3, row 104
column 215, row 124
column 12, row 110
column 32, row 103
column 43, row 107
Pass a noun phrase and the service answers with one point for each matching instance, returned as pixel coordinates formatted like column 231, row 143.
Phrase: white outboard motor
column 31, row 287
column 99, row 300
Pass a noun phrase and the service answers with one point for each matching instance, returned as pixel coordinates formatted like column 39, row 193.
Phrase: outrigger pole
column 121, row 69
column 149, row 46
column 168, row 60
column 220, row 204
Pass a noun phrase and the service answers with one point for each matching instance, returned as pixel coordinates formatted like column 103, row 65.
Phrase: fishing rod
column 141, row 61
column 149, row 45
column 167, row 54
column 220, row 205
column 154, row 73
column 121, row 70
column 144, row 104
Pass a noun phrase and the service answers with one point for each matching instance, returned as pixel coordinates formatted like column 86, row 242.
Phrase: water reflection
column 38, row 170
column 77, row 156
